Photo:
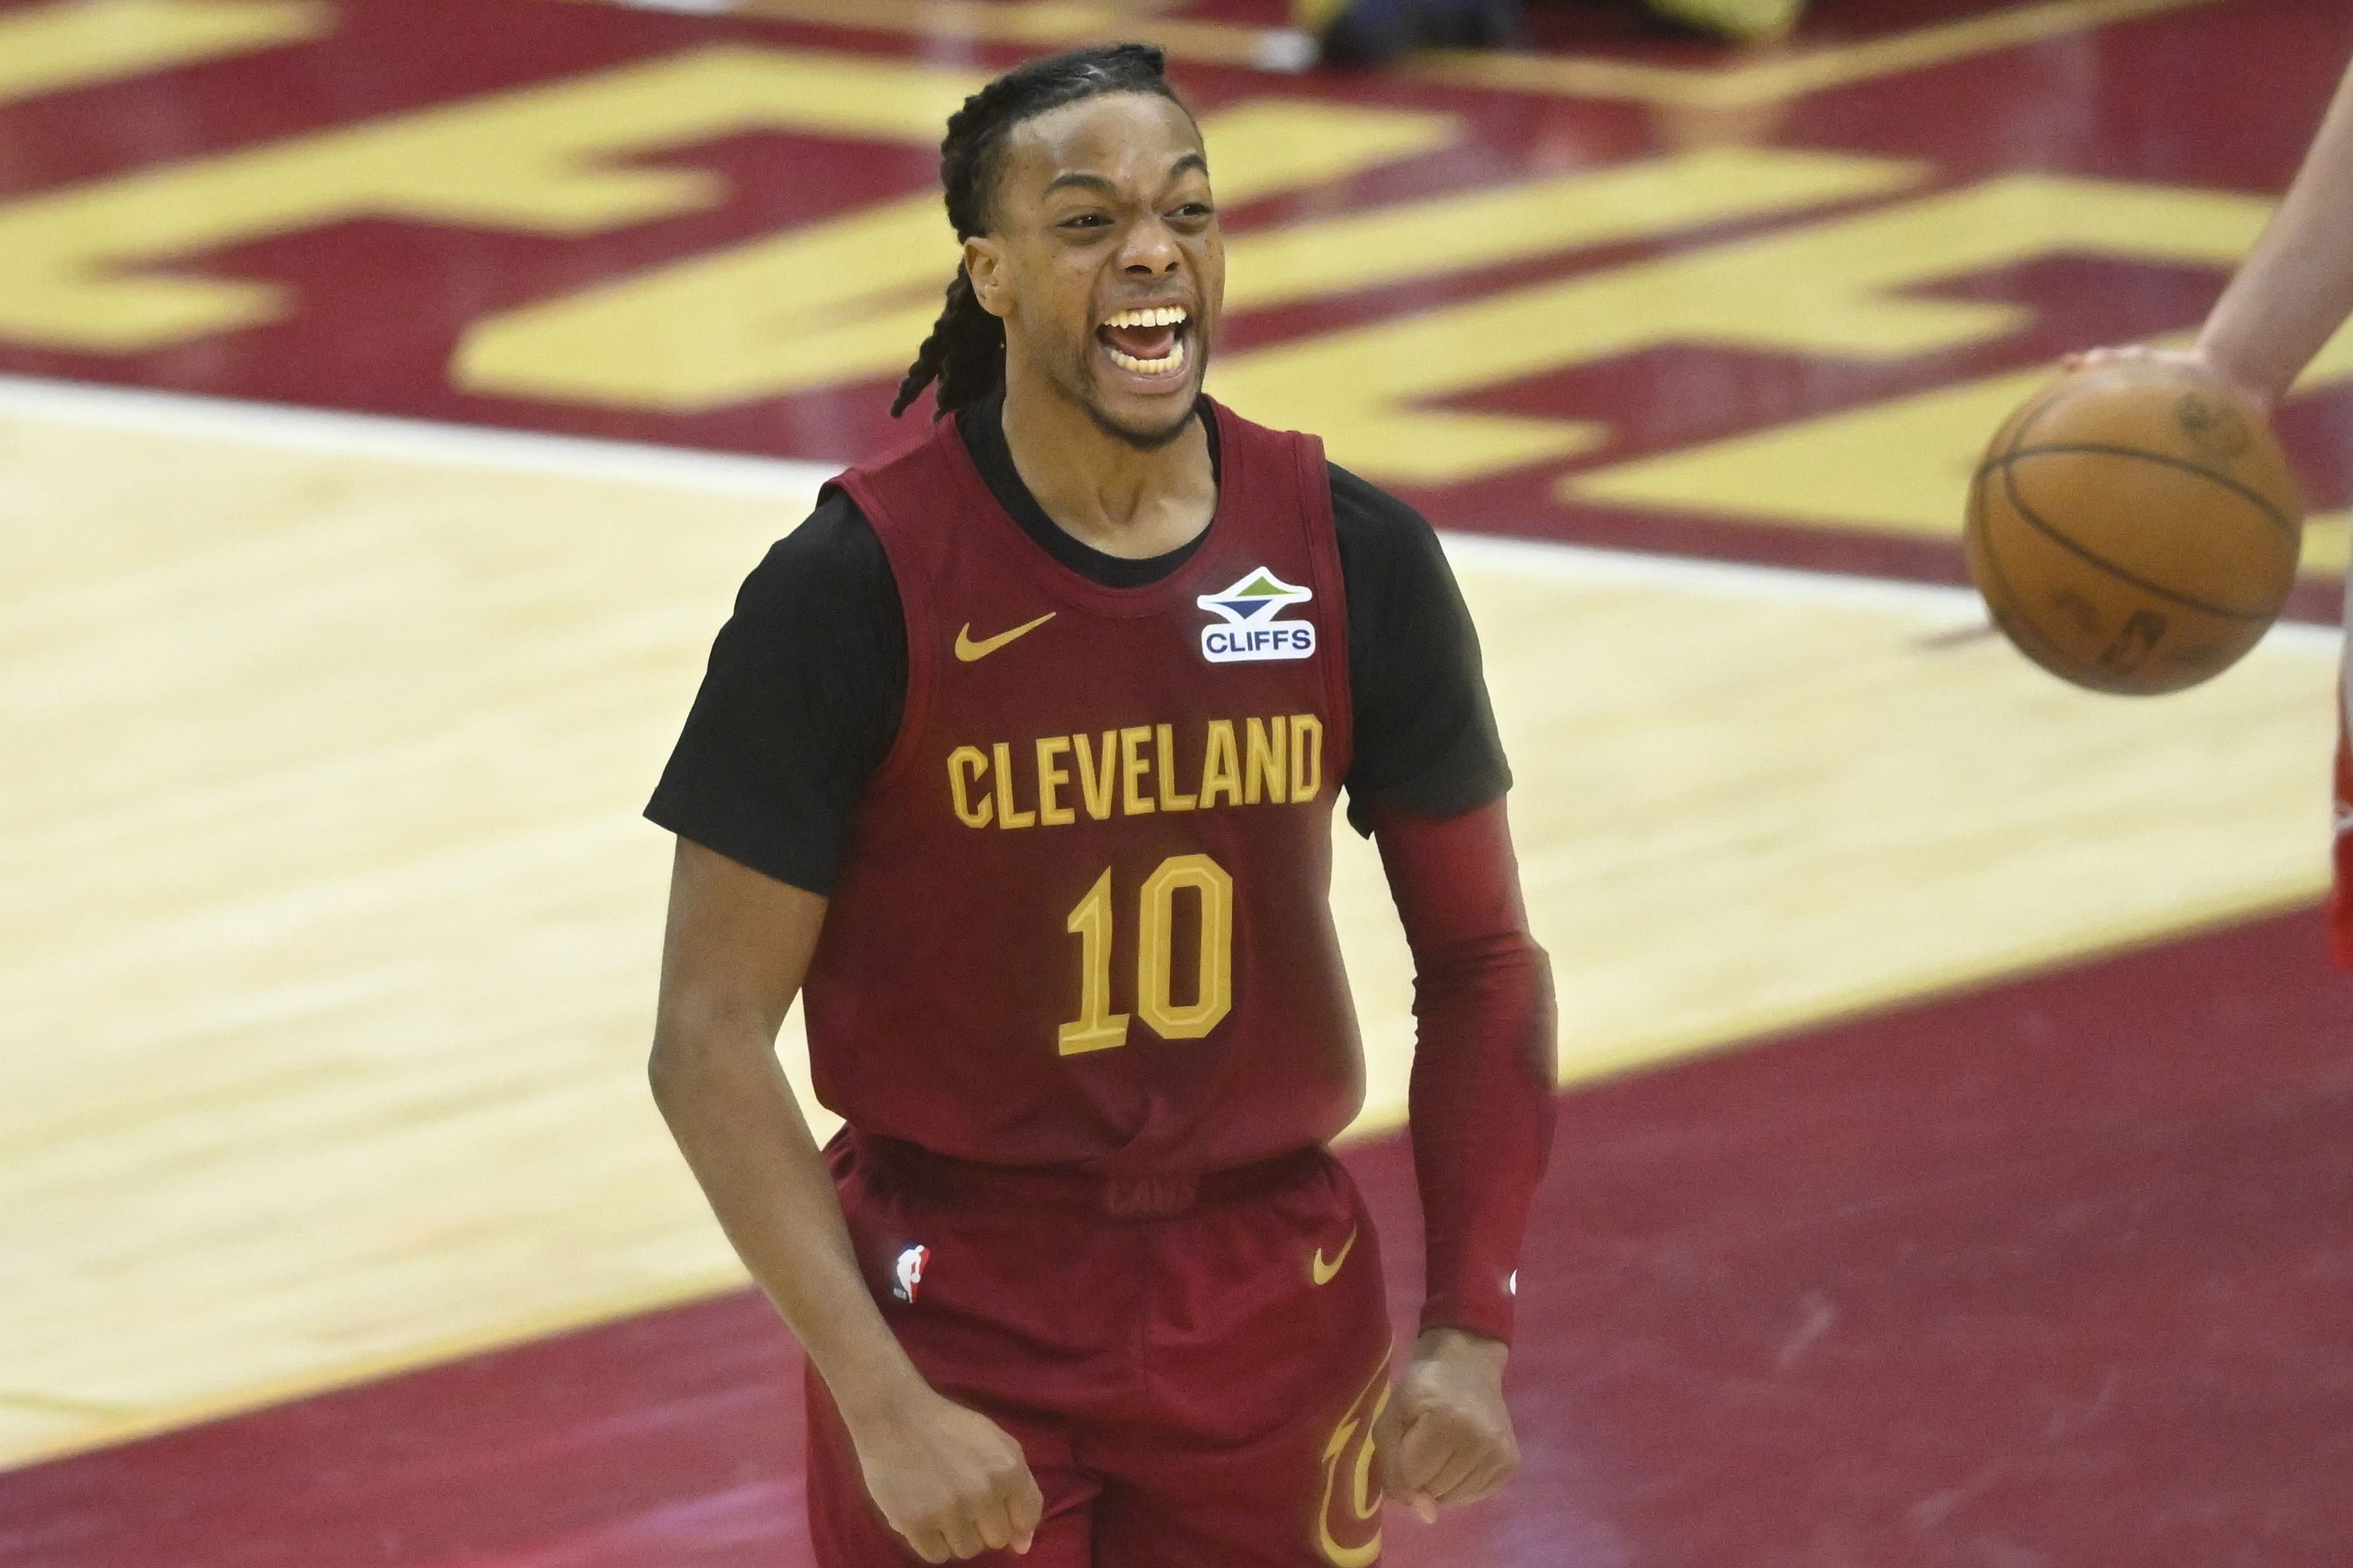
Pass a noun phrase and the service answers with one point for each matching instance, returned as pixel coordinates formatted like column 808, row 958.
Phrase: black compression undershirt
column 807, row 680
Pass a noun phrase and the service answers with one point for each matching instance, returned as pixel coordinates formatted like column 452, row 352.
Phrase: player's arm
column 2295, row 288
column 2296, row 285
column 736, row 948
column 799, row 703
column 1428, row 782
column 1481, row 1110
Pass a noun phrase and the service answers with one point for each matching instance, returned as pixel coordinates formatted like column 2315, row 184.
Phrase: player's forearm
column 1481, row 1098
column 733, row 1114
column 1481, row 1106
column 2296, row 285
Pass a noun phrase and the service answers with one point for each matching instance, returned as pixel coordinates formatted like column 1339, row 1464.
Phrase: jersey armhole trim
column 1315, row 477
column 913, row 620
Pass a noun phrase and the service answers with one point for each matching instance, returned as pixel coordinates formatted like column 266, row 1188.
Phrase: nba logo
column 910, row 1272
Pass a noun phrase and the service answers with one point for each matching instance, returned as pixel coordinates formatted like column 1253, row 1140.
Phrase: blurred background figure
column 1365, row 32
column 1746, row 21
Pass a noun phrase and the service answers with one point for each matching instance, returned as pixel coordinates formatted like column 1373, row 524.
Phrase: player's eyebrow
column 1097, row 183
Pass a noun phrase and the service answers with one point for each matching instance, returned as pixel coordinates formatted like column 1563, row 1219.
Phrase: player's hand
column 2256, row 399
column 950, row 1482
column 1446, row 1437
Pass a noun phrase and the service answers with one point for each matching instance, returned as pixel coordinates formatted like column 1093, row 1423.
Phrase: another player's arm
column 736, row 949
column 2296, row 285
column 2295, row 288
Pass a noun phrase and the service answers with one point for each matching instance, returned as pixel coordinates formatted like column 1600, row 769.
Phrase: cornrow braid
column 964, row 353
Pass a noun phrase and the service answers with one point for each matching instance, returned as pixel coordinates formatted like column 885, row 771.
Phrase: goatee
column 1146, row 440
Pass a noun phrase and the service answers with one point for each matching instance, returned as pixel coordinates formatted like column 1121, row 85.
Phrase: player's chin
column 1143, row 436
column 1146, row 407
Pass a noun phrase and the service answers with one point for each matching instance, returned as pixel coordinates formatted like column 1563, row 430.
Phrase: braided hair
column 965, row 352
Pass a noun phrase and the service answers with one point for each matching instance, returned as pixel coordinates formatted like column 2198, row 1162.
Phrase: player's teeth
column 1164, row 316
column 1172, row 360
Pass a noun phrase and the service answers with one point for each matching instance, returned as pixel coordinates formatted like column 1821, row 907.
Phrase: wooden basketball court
column 1952, row 1076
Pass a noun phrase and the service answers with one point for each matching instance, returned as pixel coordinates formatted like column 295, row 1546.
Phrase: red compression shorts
column 1192, row 1370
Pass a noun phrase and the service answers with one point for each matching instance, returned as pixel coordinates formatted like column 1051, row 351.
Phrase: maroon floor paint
column 2054, row 1274
column 2222, row 95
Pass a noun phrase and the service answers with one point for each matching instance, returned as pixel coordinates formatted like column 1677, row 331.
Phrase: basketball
column 2132, row 529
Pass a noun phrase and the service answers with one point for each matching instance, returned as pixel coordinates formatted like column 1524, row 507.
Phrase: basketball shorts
column 1193, row 1369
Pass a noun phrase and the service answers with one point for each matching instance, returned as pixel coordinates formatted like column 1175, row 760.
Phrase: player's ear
column 984, row 263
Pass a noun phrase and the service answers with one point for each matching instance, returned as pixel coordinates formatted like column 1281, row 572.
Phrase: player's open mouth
column 1148, row 342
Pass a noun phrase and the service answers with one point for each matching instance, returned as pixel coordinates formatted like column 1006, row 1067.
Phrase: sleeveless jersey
column 1083, row 916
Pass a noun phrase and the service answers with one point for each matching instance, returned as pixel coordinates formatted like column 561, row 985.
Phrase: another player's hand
column 951, row 1482
column 1446, row 1437
column 2256, row 398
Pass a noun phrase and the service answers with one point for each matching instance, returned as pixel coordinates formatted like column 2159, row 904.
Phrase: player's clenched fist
column 1446, row 1437
column 951, row 1482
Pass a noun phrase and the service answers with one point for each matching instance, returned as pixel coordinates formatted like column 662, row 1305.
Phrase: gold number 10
column 1097, row 1028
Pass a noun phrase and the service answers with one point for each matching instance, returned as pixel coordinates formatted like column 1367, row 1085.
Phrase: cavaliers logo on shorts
column 1349, row 1512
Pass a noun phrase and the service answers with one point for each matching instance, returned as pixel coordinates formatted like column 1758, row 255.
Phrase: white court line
column 1742, row 579
column 340, row 433
column 1729, row 579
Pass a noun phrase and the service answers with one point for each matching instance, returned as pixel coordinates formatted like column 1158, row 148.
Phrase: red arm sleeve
column 1483, row 1064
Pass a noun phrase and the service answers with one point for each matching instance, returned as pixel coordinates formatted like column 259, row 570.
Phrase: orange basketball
column 2132, row 529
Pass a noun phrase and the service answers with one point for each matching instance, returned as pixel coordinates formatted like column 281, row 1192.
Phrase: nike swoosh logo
column 1321, row 1272
column 967, row 650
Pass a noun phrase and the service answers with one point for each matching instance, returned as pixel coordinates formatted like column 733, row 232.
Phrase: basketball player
column 2290, row 295
column 1017, row 763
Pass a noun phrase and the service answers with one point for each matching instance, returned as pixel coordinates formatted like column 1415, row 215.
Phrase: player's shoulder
column 1379, row 535
column 832, row 562
column 1362, row 507
column 905, row 478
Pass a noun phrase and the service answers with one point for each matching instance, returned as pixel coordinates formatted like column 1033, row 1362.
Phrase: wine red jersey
column 1083, row 918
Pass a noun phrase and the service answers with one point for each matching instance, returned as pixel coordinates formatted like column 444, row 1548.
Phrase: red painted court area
column 374, row 308
column 2054, row 1273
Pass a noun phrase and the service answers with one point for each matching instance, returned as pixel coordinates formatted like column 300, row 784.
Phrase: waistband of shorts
column 916, row 1172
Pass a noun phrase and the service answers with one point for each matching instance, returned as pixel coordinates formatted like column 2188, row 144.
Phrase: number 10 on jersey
column 1095, row 924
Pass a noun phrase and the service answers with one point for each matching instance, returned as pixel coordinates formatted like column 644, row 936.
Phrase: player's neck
column 1107, row 493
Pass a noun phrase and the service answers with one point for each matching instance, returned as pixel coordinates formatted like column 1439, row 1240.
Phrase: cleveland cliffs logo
column 1251, row 627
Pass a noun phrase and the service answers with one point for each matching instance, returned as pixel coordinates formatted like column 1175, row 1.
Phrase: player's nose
column 1151, row 250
